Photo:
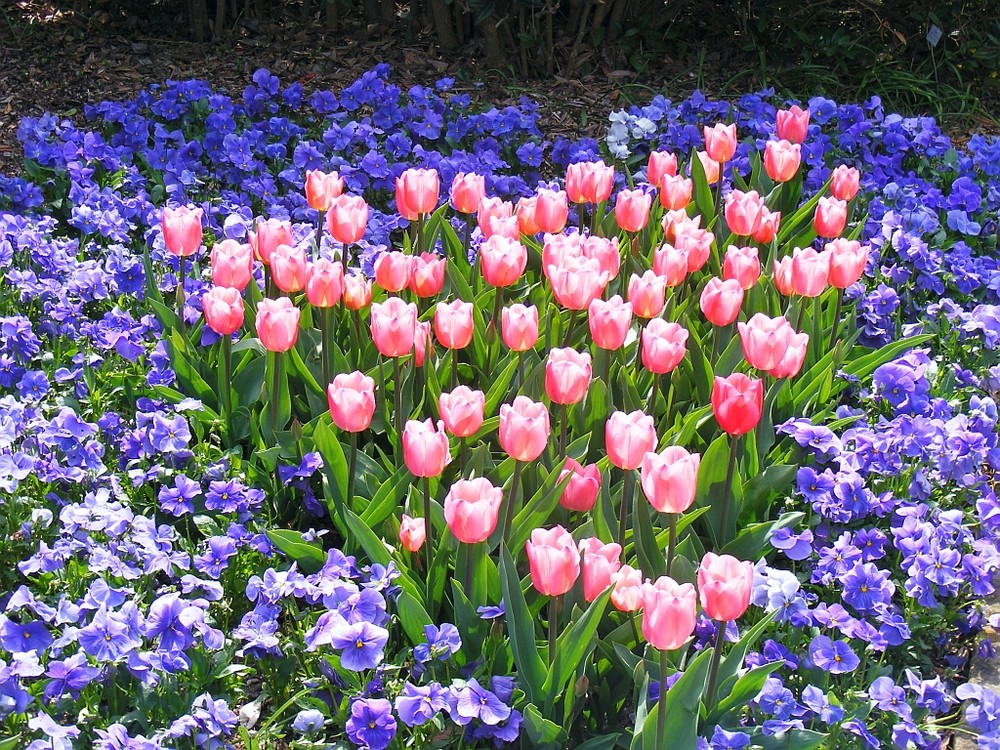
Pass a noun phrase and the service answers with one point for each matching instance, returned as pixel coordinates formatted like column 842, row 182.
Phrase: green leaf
column 752, row 539
column 703, row 199
column 604, row 742
column 572, row 649
column 762, row 489
column 711, row 487
column 308, row 555
column 334, row 461
column 651, row 559
column 681, row 707
column 732, row 662
column 542, row 732
column 747, row 687
column 796, row 739
column 501, row 386
column 248, row 383
column 387, row 498
column 521, row 628
column 412, row 616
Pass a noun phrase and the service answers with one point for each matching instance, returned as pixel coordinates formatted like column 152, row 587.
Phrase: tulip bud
column 412, row 533
column 467, row 192
column 352, row 401
column 720, row 142
column 724, row 585
column 792, row 124
column 223, row 308
column 554, row 560
column 277, row 324
column 845, row 182
column 182, row 230
column 721, row 300
column 737, row 402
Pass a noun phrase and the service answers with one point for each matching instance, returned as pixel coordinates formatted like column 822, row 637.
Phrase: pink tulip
column 277, row 324
column 605, row 251
column 737, row 402
column 418, row 190
column 322, row 189
column 711, row 167
column 765, row 340
column 848, row 259
column 270, row 234
column 664, row 345
column 577, row 282
column 668, row 613
column 423, row 343
column 554, row 560
column 232, row 264
column 503, row 260
column 357, row 291
column 795, row 356
column 628, row 437
column 412, row 533
column 670, row 479
column 453, row 324
column 288, row 268
column 810, row 270
column 743, row 212
column 524, row 429
column 724, row 585
column 393, row 325
column 720, row 142
column 589, row 182
column 519, row 327
column 352, row 401
column 526, row 223
column 427, row 275
column 324, row 283
column 599, row 562
column 845, row 182
column 742, row 264
column 181, row 230
column 223, row 308
column 509, row 228
column 632, row 210
column 347, row 218
column 580, row 492
column 661, row 164
column 767, row 230
column 394, row 270
column 567, row 376
column 471, row 509
column 467, row 192
column 462, row 411
column 781, row 160
column 647, row 294
column 695, row 242
column 782, row 276
column 492, row 208
column 609, row 322
column 675, row 192
column 560, row 249
column 721, row 300
column 831, row 217
column 626, row 596
column 671, row 264
column 551, row 210
column 792, row 124
column 425, row 448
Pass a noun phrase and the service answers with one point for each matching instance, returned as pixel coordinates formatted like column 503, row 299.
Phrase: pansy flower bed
column 374, row 418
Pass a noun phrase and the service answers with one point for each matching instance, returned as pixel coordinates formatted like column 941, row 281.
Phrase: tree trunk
column 220, row 19
column 443, row 24
column 332, row 16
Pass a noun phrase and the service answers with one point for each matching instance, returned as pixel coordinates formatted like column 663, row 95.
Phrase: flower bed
column 423, row 509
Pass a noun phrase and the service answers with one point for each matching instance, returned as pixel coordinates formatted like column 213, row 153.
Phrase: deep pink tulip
column 394, row 270
column 743, row 212
column 632, row 209
column 223, row 308
column 412, row 533
column 810, row 271
column 845, row 182
column 567, row 375
column 418, row 189
column 664, row 345
column 669, row 610
column 670, row 479
column 589, row 182
column 393, row 325
column 503, row 260
column 724, row 585
column 554, row 560
column 288, row 268
column 767, row 230
column 425, row 448
column 427, row 275
column 599, row 562
column 352, row 401
column 661, row 164
column 357, row 291
column 626, row 596
column 277, row 324
column 322, row 189
column 524, row 429
column 671, row 263
column 519, row 327
column 628, row 437
column 721, row 300
column 347, row 218
column 742, row 264
column 269, row 235
column 675, row 192
column 453, row 324
column 848, row 259
column 765, row 340
column 609, row 322
column 737, row 402
column 232, row 264
column 467, row 191
column 647, row 293
column 720, row 141
column 792, row 124
column 181, row 230
column 423, row 343
column 462, row 411
column 580, row 492
column 471, row 509
column 831, row 217
column 781, row 160
column 551, row 210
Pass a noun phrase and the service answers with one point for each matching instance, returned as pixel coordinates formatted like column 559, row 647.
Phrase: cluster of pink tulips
column 632, row 271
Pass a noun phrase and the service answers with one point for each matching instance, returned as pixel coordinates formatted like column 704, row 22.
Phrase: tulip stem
column 454, row 369
column 508, row 515
column 802, row 315
column 670, row 397
column 495, row 323
column 569, row 328
column 581, row 217
column 356, row 317
column 520, row 370
column 727, row 492
column 627, row 492
column 562, row 431
column 319, row 234
column 469, row 558
column 661, row 713
column 554, row 605
column 463, row 455
column 420, row 233
column 465, row 242
column 275, row 391
column 397, row 393
column 635, row 630
column 428, row 526
column 836, row 317
column 326, row 326
column 672, row 542
column 227, row 384
column 653, row 391
column 182, row 272
column 713, row 670
column 352, row 470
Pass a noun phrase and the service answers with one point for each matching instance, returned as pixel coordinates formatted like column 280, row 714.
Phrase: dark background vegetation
column 578, row 58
